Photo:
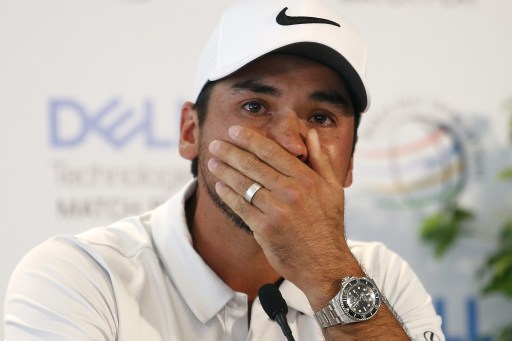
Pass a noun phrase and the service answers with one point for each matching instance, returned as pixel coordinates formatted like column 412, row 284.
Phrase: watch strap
column 331, row 315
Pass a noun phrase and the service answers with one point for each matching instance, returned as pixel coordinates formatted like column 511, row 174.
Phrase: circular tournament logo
column 414, row 154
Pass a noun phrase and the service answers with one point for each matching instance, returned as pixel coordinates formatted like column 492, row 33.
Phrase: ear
column 189, row 132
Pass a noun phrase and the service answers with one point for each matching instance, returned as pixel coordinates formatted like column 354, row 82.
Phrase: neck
column 232, row 253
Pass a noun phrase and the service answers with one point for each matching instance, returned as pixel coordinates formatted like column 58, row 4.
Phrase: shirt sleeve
column 59, row 292
column 407, row 297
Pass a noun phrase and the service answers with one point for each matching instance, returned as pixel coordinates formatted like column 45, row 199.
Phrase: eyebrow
column 332, row 97
column 256, row 87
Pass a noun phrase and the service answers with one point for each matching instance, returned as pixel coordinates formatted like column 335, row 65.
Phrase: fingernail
column 213, row 163
column 234, row 131
column 214, row 145
column 315, row 133
column 219, row 187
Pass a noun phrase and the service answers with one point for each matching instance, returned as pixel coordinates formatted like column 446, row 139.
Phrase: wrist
column 321, row 296
column 325, row 286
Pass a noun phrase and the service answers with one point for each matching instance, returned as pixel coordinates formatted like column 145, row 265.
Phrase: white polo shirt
column 141, row 279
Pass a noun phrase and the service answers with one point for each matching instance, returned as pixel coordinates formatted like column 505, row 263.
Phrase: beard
column 207, row 181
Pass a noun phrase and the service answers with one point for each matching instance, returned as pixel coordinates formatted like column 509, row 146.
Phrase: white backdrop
column 89, row 103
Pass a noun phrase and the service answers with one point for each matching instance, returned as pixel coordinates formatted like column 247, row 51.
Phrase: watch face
column 360, row 299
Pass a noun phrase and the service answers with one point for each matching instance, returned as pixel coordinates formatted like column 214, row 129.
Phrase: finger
column 229, row 176
column 239, row 183
column 249, row 213
column 318, row 159
column 268, row 151
column 246, row 163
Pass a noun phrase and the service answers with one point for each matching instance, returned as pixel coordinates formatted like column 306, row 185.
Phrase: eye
column 321, row 119
column 254, row 107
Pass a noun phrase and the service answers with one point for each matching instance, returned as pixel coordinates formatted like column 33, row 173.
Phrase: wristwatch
column 358, row 300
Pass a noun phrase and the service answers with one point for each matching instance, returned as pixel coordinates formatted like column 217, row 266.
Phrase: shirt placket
column 236, row 317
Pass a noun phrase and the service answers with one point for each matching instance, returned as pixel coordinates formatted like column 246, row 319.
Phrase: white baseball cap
column 252, row 28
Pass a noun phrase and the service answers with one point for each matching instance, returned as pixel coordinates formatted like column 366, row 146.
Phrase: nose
column 290, row 133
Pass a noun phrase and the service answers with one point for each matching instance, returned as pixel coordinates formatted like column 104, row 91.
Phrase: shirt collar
column 203, row 291
column 295, row 298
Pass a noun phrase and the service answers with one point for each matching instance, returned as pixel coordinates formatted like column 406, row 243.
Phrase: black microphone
column 276, row 308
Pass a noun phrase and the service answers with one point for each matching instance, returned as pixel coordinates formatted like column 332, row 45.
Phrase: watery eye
column 321, row 119
column 253, row 107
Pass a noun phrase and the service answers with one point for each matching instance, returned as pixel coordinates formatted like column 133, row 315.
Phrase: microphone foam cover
column 272, row 301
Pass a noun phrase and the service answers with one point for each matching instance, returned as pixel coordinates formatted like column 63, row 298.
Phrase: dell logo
column 71, row 123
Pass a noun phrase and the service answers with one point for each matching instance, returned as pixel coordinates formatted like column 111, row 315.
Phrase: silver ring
column 251, row 191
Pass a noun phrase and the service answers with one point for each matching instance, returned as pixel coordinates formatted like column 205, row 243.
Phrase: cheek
column 213, row 128
column 339, row 152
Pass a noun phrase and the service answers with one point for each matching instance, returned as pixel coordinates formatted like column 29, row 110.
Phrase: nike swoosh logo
column 285, row 20
column 430, row 336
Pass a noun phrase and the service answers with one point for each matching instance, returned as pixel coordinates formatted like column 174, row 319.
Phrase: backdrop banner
column 90, row 98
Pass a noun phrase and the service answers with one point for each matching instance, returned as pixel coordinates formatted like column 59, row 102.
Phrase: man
column 271, row 135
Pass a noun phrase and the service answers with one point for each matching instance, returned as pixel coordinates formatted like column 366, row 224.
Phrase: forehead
column 275, row 68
